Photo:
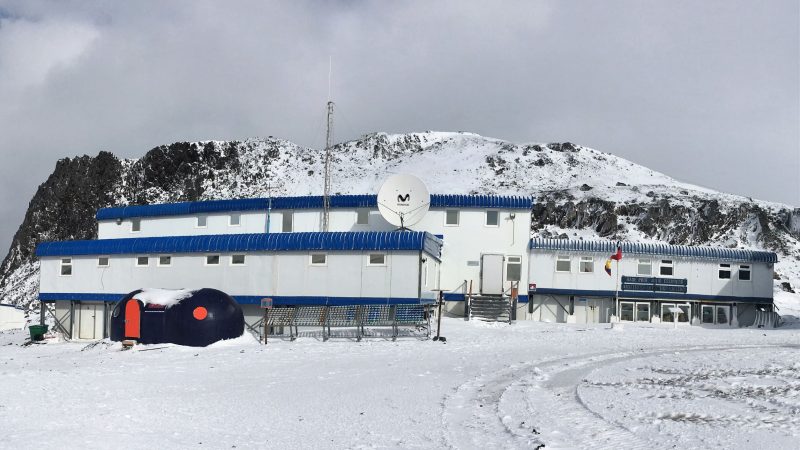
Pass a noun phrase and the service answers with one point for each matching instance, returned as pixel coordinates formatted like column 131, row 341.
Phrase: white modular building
column 308, row 268
column 485, row 237
column 651, row 283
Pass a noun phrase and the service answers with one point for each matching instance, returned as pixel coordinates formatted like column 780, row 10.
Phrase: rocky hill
column 580, row 192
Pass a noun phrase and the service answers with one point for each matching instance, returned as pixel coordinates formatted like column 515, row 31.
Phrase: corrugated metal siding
column 406, row 240
column 688, row 251
column 306, row 202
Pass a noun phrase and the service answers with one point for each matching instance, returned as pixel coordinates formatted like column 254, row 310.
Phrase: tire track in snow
column 529, row 404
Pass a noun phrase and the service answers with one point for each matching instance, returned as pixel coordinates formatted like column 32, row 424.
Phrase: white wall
column 701, row 275
column 280, row 274
column 462, row 243
column 11, row 318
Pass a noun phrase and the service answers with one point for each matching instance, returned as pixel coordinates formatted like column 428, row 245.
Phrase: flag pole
column 616, row 292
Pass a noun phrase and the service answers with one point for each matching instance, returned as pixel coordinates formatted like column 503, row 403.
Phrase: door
column 626, row 311
column 707, row 314
column 132, row 316
column 492, row 274
column 723, row 315
column 643, row 312
column 87, row 326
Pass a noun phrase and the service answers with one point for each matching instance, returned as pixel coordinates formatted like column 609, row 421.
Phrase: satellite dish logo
column 403, row 200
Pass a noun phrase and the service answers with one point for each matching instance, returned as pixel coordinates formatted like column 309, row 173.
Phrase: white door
column 492, row 274
column 88, row 322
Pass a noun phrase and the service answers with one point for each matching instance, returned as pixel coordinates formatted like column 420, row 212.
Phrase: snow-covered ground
column 488, row 386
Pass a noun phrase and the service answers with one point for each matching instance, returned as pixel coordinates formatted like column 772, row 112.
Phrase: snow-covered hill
column 580, row 192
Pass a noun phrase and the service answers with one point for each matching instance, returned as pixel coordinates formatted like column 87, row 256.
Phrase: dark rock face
column 64, row 205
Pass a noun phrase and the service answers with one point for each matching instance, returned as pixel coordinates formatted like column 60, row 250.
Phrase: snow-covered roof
column 688, row 251
column 332, row 241
column 163, row 297
column 305, row 202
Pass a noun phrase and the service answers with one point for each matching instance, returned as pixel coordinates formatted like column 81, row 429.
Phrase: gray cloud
column 704, row 91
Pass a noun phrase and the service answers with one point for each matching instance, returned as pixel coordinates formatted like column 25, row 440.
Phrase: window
column 142, row 261
column 136, row 225
column 102, row 261
column 164, row 261
column 724, row 272
column 212, row 260
column 744, row 272
column 66, row 266
column 287, row 221
column 202, row 221
column 319, row 259
column 377, row 259
column 235, row 220
column 563, row 264
column 586, row 264
column 492, row 218
column 667, row 268
column 362, row 217
column 513, row 268
column 645, row 267
column 451, row 218
column 237, row 260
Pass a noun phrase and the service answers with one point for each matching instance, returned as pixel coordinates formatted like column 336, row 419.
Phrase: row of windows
column 644, row 267
column 451, row 219
column 315, row 259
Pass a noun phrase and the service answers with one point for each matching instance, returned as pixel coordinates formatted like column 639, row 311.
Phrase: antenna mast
column 326, row 200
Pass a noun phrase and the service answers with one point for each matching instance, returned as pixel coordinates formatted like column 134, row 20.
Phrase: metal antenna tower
column 326, row 199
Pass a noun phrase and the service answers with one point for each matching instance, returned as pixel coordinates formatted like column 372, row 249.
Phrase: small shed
column 11, row 318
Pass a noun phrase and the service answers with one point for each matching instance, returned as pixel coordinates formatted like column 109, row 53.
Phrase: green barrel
column 37, row 332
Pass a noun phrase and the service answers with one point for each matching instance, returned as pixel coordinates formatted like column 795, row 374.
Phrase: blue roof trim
column 653, row 295
column 252, row 299
column 688, row 251
column 372, row 240
column 306, row 202
column 459, row 297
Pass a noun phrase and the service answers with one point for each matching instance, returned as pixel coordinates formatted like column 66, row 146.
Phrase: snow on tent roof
column 373, row 240
column 163, row 297
column 306, row 202
column 689, row 251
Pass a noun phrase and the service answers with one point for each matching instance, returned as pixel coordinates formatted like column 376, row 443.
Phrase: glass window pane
column 666, row 271
column 626, row 311
column 377, row 258
column 492, row 218
column 66, row 269
column 666, row 313
column 586, row 265
column 722, row 315
column 563, row 264
column 212, row 260
column 202, row 221
column 164, row 260
column 102, row 261
column 237, row 259
column 318, row 258
column 684, row 316
column 136, row 225
column 451, row 217
column 708, row 314
column 744, row 273
column 287, row 222
column 645, row 267
column 236, row 219
column 642, row 312
column 142, row 260
column 362, row 217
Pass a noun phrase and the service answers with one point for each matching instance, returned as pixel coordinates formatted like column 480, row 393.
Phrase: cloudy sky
column 706, row 91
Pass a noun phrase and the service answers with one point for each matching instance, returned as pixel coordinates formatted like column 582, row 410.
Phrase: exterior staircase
column 490, row 308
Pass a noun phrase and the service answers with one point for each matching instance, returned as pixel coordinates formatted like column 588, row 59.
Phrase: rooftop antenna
column 326, row 199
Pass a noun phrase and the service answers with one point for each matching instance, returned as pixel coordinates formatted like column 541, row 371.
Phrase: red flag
column 617, row 256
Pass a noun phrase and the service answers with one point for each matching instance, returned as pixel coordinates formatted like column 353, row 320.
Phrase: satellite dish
column 403, row 200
